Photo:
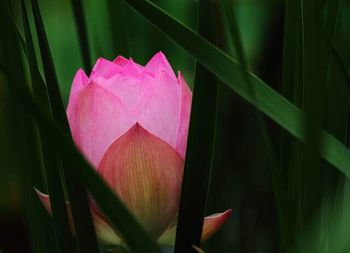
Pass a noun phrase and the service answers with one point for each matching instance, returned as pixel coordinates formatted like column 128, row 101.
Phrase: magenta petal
column 96, row 118
column 105, row 68
column 127, row 88
column 146, row 174
column 79, row 82
column 159, row 108
column 121, row 61
column 185, row 114
column 132, row 69
column 159, row 63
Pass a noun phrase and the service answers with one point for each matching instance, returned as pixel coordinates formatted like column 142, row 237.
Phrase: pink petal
column 79, row 82
column 159, row 63
column 211, row 225
column 132, row 69
column 96, row 118
column 121, row 61
column 103, row 231
column 146, row 173
column 159, row 108
column 45, row 199
column 138, row 66
column 184, row 118
column 105, row 68
column 127, row 88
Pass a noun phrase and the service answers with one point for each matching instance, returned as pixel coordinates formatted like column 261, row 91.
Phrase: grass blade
column 23, row 146
column 284, row 113
column 59, row 212
column 336, row 119
column 339, row 60
column 128, row 228
column 198, row 161
column 84, row 228
column 311, row 177
column 291, row 151
column 79, row 17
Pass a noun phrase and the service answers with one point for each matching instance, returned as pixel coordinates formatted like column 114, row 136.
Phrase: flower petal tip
column 213, row 223
column 45, row 199
column 80, row 81
column 159, row 63
column 121, row 61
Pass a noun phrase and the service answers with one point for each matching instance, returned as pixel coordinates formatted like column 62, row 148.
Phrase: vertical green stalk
column 336, row 119
column 198, row 161
column 313, row 177
column 290, row 154
column 59, row 212
column 23, row 144
column 81, row 214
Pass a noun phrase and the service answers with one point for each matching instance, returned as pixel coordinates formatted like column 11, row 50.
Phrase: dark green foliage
column 84, row 229
column 79, row 15
column 286, row 196
column 51, row 163
column 21, row 130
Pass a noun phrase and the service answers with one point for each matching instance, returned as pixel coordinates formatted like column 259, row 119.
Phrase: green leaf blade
column 198, row 163
column 84, row 228
column 270, row 102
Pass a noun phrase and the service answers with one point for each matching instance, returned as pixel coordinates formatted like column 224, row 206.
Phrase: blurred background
column 241, row 179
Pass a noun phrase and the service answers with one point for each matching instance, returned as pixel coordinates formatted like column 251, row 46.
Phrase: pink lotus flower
column 131, row 122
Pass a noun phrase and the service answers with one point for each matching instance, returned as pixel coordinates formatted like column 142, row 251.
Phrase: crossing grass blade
column 84, row 228
column 270, row 102
column 80, row 21
column 201, row 138
column 23, row 146
column 59, row 212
